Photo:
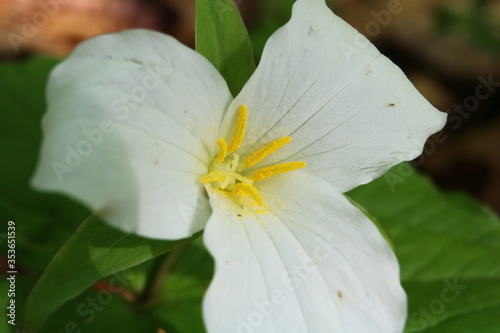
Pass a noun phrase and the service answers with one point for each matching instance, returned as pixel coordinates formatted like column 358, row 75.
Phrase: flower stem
column 162, row 266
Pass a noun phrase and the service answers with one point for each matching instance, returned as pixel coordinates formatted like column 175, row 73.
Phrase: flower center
column 231, row 176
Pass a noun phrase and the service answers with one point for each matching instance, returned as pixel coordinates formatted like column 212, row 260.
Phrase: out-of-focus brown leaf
column 56, row 26
column 413, row 25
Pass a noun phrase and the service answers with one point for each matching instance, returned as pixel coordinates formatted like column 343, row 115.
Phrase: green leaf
column 22, row 104
column 458, row 305
column 94, row 251
column 374, row 221
column 22, row 100
column 448, row 246
column 221, row 37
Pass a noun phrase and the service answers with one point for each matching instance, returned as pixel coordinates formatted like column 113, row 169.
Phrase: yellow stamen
column 246, row 189
column 267, row 150
column 276, row 170
column 222, row 151
column 239, row 133
column 228, row 178
column 216, row 176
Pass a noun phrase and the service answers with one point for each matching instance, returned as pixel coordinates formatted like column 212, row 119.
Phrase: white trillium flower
column 141, row 129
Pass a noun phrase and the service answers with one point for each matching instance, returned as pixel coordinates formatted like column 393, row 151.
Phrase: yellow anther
column 231, row 177
column 267, row 150
column 239, row 133
column 276, row 170
column 248, row 190
column 222, row 151
column 216, row 176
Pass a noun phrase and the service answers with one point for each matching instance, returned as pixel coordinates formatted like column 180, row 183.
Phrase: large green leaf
column 22, row 103
column 448, row 246
column 221, row 37
column 95, row 250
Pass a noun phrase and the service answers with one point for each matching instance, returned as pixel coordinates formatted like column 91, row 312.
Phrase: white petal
column 351, row 112
column 164, row 102
column 314, row 264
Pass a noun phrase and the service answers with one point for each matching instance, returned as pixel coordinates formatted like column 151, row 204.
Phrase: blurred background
column 450, row 49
